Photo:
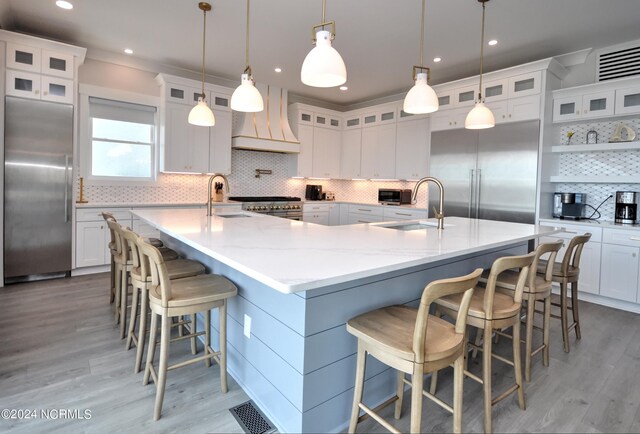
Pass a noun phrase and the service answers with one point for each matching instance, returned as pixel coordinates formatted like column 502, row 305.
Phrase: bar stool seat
column 412, row 341
column 155, row 242
column 177, row 269
column 557, row 269
column 503, row 304
column 204, row 290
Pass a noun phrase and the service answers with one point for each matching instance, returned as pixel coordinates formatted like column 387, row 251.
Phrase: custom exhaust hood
column 267, row 130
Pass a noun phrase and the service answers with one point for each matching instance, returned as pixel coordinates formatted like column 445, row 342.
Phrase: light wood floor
column 59, row 349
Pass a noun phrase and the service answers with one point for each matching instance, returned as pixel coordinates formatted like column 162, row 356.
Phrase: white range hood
column 267, row 130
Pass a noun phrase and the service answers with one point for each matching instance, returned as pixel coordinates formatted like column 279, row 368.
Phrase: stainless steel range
column 278, row 206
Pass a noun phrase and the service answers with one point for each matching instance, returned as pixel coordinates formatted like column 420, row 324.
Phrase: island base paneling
column 299, row 363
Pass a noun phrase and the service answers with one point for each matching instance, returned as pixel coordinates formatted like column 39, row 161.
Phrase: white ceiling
column 378, row 39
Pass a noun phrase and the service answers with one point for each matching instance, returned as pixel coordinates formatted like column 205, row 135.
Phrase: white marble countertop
column 606, row 224
column 292, row 256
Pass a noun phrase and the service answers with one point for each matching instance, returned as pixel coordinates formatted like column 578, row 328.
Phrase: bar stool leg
column 165, row 334
column 118, row 270
column 152, row 348
column 458, row 378
column 194, row 330
column 207, row 336
column 223, row 346
column 531, row 305
column 132, row 319
column 563, row 315
column 112, row 275
column 399, row 393
column 486, row 377
column 361, row 359
column 517, row 365
column 416, row 397
column 142, row 329
column 546, row 326
column 574, row 308
column 124, row 296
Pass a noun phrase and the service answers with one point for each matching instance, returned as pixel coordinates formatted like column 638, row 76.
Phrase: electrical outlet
column 247, row 326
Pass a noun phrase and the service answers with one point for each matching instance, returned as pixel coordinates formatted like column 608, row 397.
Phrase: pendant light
column 480, row 117
column 246, row 98
column 421, row 98
column 323, row 66
column 201, row 114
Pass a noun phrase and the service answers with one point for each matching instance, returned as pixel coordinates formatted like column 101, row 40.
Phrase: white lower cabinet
column 316, row 213
column 364, row 214
column 397, row 213
column 620, row 265
column 91, row 243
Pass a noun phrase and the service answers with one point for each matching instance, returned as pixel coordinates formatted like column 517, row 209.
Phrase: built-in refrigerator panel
column 507, row 170
column 488, row 174
column 37, row 187
column 453, row 161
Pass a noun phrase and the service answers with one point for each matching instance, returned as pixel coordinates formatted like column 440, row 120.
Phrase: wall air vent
column 623, row 62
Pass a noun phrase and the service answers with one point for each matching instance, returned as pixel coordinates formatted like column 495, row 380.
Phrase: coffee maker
column 626, row 207
column 569, row 205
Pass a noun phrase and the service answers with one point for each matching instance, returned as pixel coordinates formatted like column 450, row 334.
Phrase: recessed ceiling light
column 493, row 42
column 278, row 69
column 437, row 59
column 128, row 51
column 344, row 88
column 64, row 4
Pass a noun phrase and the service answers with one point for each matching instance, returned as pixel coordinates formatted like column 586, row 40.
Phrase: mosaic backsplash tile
column 177, row 188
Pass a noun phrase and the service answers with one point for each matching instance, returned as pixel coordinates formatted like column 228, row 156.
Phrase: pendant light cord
column 422, row 36
column 246, row 54
column 481, row 51
column 204, row 39
column 324, row 8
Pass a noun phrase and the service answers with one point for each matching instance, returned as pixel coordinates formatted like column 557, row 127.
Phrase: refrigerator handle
column 479, row 186
column 66, row 187
column 470, row 190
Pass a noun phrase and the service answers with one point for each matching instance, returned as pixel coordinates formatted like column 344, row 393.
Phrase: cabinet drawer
column 622, row 237
column 404, row 214
column 95, row 214
column 315, row 207
column 366, row 209
column 358, row 218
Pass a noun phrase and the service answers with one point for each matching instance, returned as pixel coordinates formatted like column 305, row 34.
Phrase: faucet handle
column 437, row 214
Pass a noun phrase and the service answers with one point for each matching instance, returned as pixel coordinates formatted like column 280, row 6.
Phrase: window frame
column 86, row 135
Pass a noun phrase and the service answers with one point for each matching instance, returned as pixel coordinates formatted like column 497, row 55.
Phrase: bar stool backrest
column 159, row 275
column 139, row 260
column 119, row 251
column 550, row 249
column 107, row 216
column 502, row 264
column 574, row 251
column 436, row 290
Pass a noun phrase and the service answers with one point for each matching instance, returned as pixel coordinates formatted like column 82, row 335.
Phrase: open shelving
column 598, row 147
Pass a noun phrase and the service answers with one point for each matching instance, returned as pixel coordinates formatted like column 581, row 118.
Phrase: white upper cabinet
column 326, row 153
column 628, row 101
column 412, row 149
column 37, row 70
column 379, row 152
column 591, row 105
column 525, row 84
column 351, row 153
column 189, row 148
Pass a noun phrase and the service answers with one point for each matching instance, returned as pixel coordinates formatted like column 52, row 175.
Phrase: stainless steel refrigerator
column 37, row 188
column 487, row 174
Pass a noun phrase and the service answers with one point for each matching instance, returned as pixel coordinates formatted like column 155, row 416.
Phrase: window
column 122, row 137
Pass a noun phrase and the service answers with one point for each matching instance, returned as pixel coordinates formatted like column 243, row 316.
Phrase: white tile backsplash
column 179, row 188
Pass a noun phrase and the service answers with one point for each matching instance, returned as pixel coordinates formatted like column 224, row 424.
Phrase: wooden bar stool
column 537, row 288
column 492, row 309
column 414, row 342
column 123, row 265
column 565, row 273
column 140, row 281
column 175, row 298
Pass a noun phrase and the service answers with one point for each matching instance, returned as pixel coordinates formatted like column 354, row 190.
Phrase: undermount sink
column 233, row 216
column 414, row 226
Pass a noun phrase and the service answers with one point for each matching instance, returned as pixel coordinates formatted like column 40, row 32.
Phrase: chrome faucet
column 439, row 214
column 209, row 201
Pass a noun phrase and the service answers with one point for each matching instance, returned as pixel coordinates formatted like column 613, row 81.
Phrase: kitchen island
column 298, row 284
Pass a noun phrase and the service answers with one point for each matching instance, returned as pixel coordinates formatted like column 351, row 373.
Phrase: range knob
column 297, row 207
column 249, row 208
column 287, row 207
column 264, row 208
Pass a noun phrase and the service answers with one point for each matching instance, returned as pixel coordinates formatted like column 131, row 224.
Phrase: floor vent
column 623, row 62
column 251, row 419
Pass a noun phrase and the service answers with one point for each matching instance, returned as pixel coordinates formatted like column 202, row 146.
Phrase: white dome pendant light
column 323, row 66
column 201, row 114
column 480, row 117
column 421, row 98
column 246, row 98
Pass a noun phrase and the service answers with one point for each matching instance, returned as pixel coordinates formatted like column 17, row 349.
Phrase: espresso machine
column 626, row 207
column 569, row 205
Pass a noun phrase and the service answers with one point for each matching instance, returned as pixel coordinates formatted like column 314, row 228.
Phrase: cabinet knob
column 37, row 92
column 101, row 227
column 509, row 114
column 578, row 112
column 45, row 92
column 633, row 255
column 586, row 111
